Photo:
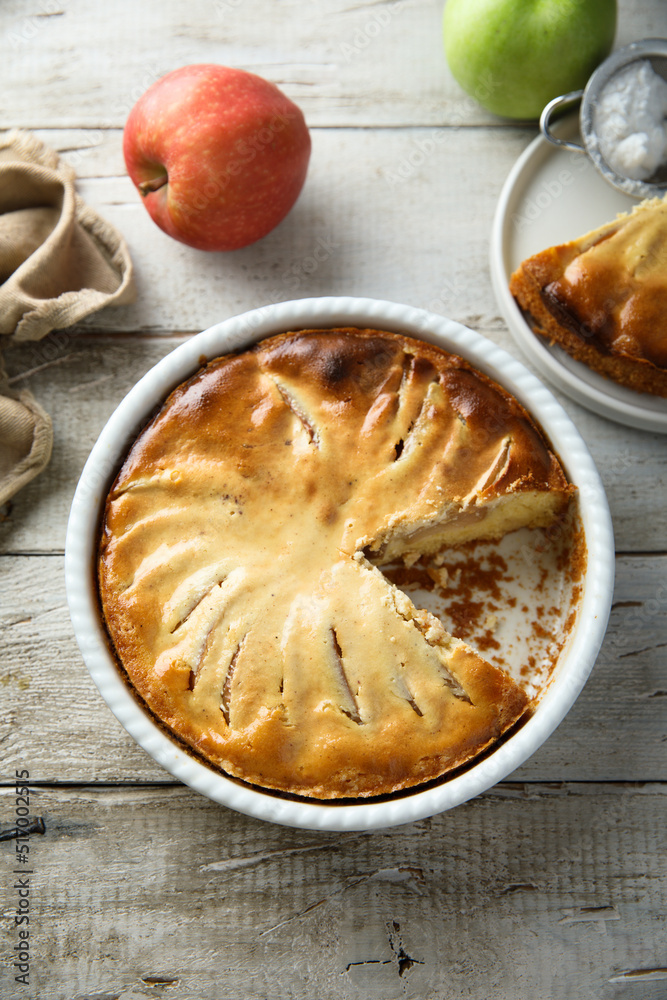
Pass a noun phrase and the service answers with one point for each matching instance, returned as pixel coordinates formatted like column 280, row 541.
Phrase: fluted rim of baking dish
column 237, row 333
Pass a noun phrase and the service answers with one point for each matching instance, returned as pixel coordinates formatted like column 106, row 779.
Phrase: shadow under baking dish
column 588, row 607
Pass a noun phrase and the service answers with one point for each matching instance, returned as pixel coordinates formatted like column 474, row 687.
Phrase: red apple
column 218, row 155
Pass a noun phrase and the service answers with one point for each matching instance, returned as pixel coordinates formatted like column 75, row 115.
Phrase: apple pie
column 241, row 547
column 603, row 297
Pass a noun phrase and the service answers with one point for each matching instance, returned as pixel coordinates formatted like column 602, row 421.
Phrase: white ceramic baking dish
column 575, row 661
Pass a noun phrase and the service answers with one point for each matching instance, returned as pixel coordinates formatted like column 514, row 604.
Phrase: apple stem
column 153, row 185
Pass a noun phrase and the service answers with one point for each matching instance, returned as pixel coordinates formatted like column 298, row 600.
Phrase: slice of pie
column 240, row 548
column 603, row 297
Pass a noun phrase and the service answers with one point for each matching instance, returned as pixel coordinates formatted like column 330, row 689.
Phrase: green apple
column 514, row 56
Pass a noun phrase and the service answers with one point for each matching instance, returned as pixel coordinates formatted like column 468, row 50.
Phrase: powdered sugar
column 630, row 121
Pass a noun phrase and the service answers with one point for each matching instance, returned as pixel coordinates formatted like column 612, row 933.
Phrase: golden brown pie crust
column 238, row 558
column 603, row 297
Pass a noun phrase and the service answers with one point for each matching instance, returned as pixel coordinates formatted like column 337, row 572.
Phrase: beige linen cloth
column 59, row 262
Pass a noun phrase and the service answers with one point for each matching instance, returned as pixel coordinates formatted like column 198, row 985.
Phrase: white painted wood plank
column 403, row 215
column 379, row 62
column 56, row 724
column 400, row 214
column 523, row 893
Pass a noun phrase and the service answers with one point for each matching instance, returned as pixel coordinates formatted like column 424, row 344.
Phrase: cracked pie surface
column 241, row 545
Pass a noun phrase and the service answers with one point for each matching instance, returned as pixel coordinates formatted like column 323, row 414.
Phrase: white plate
column 575, row 660
column 551, row 196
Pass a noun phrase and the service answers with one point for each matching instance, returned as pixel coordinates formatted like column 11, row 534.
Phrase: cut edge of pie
column 603, row 297
column 280, row 654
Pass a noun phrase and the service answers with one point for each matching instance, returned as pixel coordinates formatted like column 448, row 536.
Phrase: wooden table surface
column 551, row 886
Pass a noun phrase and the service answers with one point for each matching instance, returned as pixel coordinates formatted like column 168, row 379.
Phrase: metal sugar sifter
column 652, row 50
